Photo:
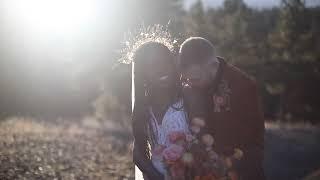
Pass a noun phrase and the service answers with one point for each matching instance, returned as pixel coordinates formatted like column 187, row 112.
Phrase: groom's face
column 199, row 75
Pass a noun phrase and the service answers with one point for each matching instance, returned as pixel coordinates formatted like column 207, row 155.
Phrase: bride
column 158, row 107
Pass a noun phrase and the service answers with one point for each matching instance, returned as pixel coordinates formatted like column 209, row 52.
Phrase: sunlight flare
column 52, row 16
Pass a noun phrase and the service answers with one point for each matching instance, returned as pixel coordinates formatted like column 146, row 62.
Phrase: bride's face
column 161, row 71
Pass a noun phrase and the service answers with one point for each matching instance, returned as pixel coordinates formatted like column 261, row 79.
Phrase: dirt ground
column 32, row 149
column 88, row 149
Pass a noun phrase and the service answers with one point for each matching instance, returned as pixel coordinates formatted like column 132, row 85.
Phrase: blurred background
column 59, row 69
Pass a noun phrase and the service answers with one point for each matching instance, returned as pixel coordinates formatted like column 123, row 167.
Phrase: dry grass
column 90, row 149
column 32, row 149
column 291, row 126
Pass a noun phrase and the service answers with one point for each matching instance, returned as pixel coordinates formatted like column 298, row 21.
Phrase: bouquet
column 192, row 156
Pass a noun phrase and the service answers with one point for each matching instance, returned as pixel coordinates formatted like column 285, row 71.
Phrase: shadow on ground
column 291, row 153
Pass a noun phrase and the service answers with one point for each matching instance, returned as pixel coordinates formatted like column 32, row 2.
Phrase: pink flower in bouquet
column 189, row 138
column 157, row 150
column 173, row 153
column 176, row 136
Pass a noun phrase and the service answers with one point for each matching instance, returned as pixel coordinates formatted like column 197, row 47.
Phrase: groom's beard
column 201, row 82
column 196, row 101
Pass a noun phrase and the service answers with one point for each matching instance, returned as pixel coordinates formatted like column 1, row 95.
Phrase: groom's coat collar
column 217, row 80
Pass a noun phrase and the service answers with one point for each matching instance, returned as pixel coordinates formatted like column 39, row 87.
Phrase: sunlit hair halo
column 155, row 33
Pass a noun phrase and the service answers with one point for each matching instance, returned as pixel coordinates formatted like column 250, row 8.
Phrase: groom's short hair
column 195, row 50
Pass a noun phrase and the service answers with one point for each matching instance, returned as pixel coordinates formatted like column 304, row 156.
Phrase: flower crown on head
column 155, row 33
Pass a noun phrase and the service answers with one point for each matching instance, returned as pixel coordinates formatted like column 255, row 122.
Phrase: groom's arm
column 144, row 163
column 251, row 166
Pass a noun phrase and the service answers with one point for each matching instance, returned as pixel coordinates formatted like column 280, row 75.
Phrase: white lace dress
column 175, row 119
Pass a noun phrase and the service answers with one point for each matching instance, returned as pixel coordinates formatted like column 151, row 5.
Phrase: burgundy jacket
column 235, row 118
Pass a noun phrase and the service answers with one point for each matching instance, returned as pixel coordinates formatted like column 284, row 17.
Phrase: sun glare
column 52, row 16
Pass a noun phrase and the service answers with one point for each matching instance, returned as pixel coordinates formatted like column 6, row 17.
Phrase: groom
column 229, row 100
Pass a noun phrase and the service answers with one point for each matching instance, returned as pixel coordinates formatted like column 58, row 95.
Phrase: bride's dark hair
column 138, row 51
column 140, row 93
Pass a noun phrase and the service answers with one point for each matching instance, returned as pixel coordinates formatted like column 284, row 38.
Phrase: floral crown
column 155, row 33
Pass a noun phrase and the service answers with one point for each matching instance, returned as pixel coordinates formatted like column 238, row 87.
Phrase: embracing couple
column 195, row 116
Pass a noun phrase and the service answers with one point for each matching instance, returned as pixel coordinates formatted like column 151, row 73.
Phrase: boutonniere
column 221, row 99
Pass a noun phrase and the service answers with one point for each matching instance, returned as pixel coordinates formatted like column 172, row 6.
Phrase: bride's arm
column 144, row 163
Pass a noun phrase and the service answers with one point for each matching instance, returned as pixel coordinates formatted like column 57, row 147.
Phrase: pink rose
column 173, row 152
column 175, row 136
column 189, row 138
column 157, row 151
